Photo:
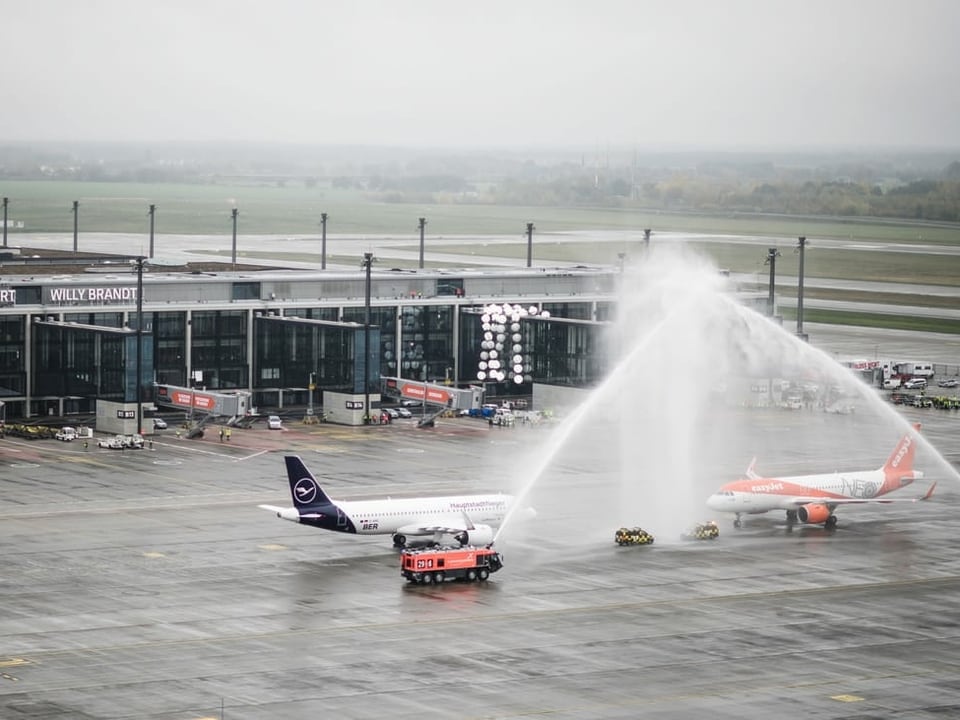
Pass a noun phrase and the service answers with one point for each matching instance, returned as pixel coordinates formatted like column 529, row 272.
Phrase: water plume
column 699, row 384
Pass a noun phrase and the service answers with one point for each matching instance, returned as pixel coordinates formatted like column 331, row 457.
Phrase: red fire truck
column 434, row 565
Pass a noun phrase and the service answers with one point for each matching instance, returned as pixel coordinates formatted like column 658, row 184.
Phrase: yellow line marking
column 846, row 698
column 154, row 554
column 14, row 662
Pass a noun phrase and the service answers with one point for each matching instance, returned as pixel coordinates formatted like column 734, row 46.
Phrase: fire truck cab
column 434, row 565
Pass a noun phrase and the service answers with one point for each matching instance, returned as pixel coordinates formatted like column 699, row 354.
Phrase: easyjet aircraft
column 813, row 498
column 468, row 518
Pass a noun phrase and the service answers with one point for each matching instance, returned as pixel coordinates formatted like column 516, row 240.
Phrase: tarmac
column 148, row 584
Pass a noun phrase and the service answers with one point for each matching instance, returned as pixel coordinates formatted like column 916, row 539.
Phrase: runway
column 149, row 585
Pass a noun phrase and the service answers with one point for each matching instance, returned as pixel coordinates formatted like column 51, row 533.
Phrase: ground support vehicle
column 703, row 531
column 435, row 565
column 633, row 536
column 122, row 442
column 67, row 434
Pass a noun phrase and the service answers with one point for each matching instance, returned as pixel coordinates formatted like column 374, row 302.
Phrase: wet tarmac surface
column 148, row 584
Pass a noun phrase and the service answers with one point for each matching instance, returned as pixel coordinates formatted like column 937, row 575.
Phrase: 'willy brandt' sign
column 90, row 294
column 73, row 295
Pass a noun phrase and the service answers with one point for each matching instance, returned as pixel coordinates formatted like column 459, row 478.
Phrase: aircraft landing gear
column 399, row 541
column 736, row 522
column 831, row 522
column 791, row 516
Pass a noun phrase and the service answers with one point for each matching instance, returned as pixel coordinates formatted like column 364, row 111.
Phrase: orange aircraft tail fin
column 898, row 469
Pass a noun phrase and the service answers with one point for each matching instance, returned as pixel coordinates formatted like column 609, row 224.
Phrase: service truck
column 427, row 566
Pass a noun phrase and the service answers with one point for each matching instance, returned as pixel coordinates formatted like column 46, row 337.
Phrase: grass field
column 204, row 209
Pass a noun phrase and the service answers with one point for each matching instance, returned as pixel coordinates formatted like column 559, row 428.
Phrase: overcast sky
column 725, row 74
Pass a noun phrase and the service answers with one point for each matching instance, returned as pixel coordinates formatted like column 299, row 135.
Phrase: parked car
column 159, row 424
column 274, row 422
column 917, row 383
column 392, row 412
column 404, row 412
column 949, row 383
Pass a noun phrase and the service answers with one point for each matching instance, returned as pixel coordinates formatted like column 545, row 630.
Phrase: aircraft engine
column 477, row 535
column 813, row 513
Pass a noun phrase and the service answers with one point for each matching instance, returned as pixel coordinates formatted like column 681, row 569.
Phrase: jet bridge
column 443, row 396
column 234, row 405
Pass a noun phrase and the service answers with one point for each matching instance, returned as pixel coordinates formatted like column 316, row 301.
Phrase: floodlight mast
column 772, row 255
column 76, row 219
column 530, row 244
column 800, row 248
column 140, row 260
column 233, row 255
column 323, row 241
column 422, row 224
column 151, row 212
column 366, row 263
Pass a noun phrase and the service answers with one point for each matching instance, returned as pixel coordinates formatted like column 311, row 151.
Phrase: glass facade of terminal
column 67, row 342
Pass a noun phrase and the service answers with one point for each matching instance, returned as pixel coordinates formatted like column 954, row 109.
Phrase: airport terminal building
column 71, row 338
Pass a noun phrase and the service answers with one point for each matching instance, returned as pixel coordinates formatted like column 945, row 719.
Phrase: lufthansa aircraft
column 468, row 518
column 813, row 498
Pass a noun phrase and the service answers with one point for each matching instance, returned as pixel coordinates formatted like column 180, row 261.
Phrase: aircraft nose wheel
column 736, row 523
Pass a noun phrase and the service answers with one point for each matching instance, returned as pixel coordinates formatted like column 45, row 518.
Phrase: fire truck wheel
column 483, row 573
column 438, row 577
column 471, row 575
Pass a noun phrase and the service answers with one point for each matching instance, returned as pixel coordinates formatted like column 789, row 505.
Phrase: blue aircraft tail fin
column 304, row 488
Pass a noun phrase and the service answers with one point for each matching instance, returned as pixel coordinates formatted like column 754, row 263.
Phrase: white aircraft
column 813, row 498
column 468, row 518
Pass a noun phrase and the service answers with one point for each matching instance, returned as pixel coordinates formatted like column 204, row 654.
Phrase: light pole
column 6, row 201
column 140, row 260
column 366, row 264
column 772, row 255
column 76, row 217
column 423, row 224
column 800, row 248
column 233, row 255
column 529, row 244
column 151, row 212
column 323, row 241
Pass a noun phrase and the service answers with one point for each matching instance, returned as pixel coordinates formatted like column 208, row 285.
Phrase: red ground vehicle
column 434, row 565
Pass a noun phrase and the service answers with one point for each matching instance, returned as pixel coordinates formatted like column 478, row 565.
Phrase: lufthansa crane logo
column 305, row 490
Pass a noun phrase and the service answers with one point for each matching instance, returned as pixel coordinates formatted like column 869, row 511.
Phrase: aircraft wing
column 441, row 525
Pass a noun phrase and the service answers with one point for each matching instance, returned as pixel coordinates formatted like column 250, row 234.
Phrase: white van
column 273, row 422
column 916, row 383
